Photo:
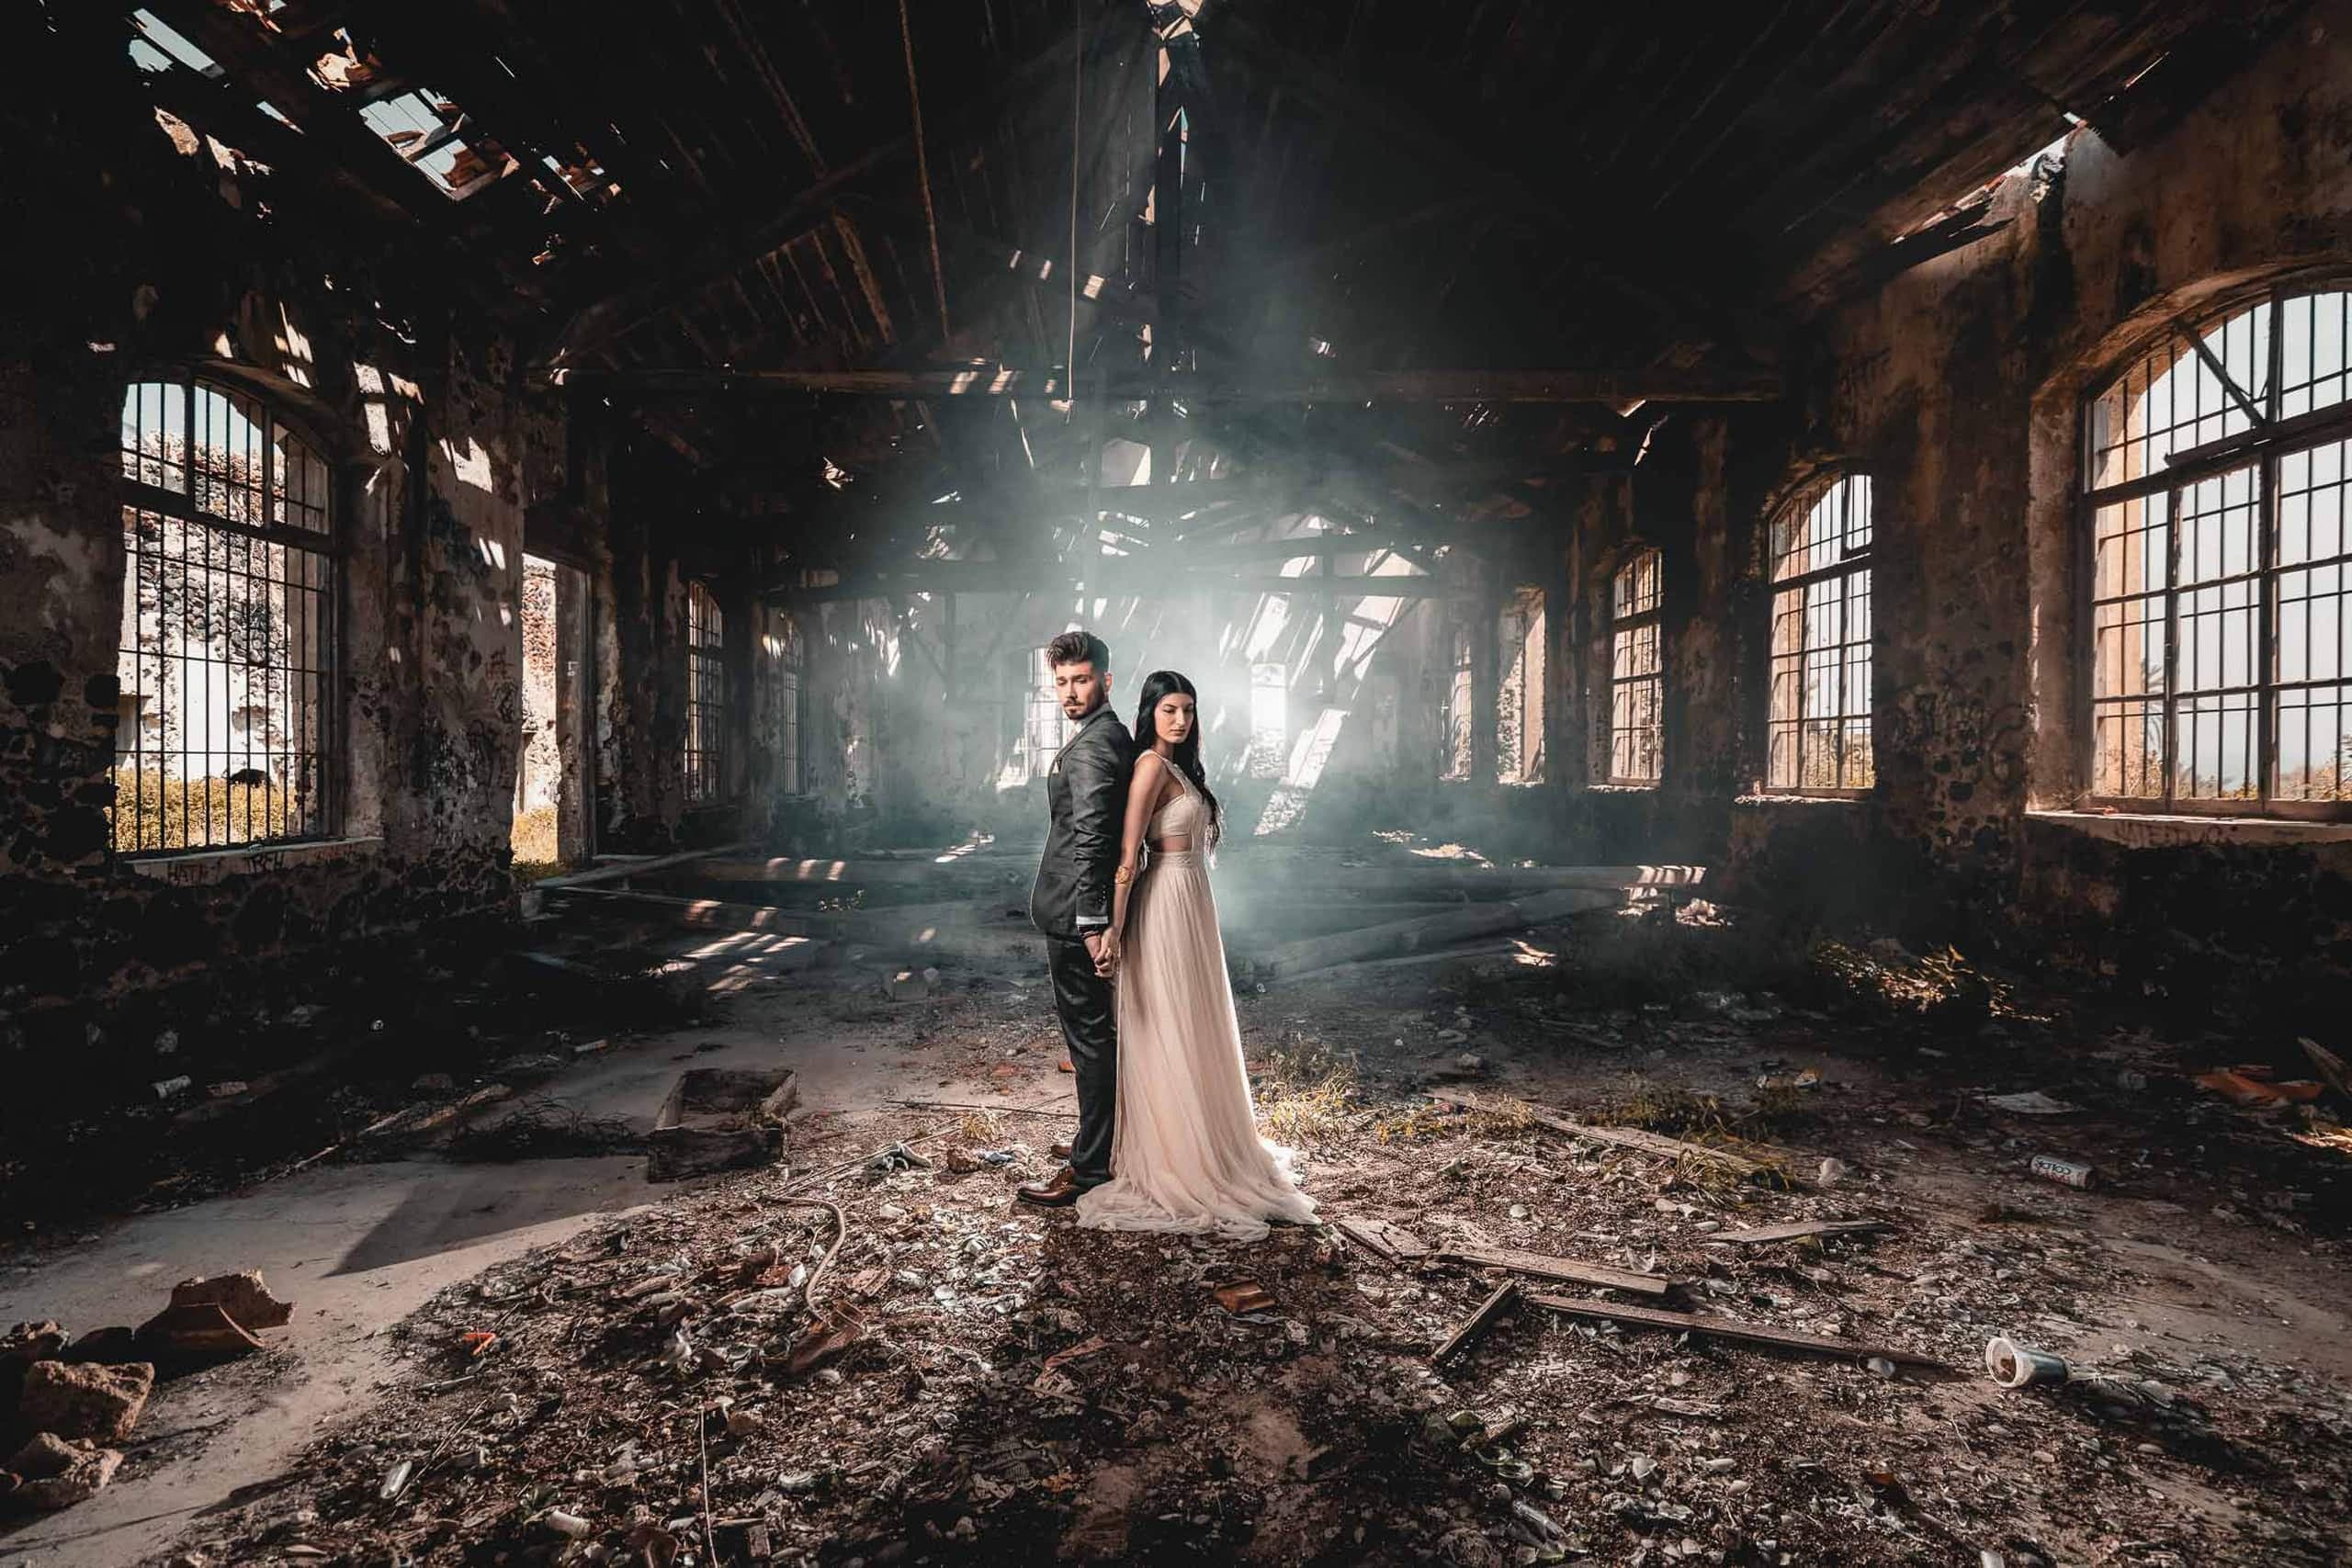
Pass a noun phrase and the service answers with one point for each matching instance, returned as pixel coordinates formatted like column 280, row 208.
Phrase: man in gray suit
column 1087, row 791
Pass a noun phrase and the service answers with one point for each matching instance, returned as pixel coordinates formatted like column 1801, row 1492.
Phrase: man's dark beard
column 1100, row 698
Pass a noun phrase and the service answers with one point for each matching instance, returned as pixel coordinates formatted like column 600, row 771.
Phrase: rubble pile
column 68, row 1405
column 937, row 1375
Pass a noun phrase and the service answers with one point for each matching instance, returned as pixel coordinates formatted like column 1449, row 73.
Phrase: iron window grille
column 1818, row 732
column 225, row 733
column 787, row 698
column 2217, row 474
column 1636, row 671
column 705, row 752
column 1460, row 708
column 1045, row 727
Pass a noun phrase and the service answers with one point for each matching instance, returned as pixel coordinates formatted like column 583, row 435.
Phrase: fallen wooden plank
column 865, row 871
column 710, row 914
column 1423, row 878
column 1433, row 930
column 1616, row 1137
column 1726, row 1329
column 619, row 867
column 1478, row 1323
column 2329, row 1065
column 1568, row 1271
column 1394, row 1243
column 1799, row 1231
column 1489, row 949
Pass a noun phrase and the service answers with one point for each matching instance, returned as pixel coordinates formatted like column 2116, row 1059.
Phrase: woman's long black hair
column 1156, row 686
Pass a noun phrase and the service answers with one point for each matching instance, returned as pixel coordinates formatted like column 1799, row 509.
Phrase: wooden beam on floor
column 1433, row 930
column 704, row 914
column 1478, row 1323
column 1651, row 1144
column 1726, row 1329
column 1568, row 1271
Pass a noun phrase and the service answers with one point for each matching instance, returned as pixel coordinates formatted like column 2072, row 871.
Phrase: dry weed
column 1420, row 1123
column 1307, row 1092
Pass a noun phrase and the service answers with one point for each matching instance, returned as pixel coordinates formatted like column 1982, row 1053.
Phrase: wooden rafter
column 1662, row 383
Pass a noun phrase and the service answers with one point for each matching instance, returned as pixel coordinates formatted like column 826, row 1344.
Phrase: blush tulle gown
column 1185, row 1154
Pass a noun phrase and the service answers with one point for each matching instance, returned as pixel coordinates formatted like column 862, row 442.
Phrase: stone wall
column 162, row 255
column 1957, row 386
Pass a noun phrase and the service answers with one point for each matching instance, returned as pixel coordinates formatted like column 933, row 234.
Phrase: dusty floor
column 2206, row 1271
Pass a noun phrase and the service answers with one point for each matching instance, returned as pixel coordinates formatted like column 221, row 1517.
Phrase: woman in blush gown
column 1185, row 1154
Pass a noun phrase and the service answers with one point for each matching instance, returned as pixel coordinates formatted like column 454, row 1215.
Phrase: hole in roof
column 155, row 46
column 423, row 127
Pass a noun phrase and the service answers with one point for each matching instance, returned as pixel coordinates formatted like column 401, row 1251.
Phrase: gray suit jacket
column 1087, row 790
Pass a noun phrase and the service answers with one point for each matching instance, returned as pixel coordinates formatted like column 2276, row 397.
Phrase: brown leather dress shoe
column 1060, row 1150
column 1059, row 1191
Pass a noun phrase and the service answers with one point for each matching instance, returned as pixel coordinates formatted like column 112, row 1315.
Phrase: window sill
column 202, row 866
column 1617, row 788
column 1851, row 798
column 2135, row 829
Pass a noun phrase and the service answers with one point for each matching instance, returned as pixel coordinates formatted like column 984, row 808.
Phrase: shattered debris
column 84, row 1401
column 243, row 1297
column 716, row 1120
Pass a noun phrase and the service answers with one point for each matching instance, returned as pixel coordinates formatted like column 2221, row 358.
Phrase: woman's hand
column 1106, row 956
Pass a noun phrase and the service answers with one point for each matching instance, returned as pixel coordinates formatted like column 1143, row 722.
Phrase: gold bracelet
column 1124, row 875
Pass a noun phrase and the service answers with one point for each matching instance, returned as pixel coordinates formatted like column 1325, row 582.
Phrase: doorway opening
column 551, row 772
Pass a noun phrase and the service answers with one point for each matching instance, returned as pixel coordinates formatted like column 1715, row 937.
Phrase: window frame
column 326, row 543
column 1620, row 624
column 2258, row 450
column 1458, row 706
column 787, row 667
column 1522, row 631
column 1816, row 486
column 700, row 782
column 1041, row 706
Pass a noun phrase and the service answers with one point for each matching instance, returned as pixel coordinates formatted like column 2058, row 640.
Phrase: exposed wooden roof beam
column 1121, row 576
column 1658, row 384
column 611, row 317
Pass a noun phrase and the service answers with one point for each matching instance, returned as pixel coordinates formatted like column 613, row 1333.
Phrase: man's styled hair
column 1079, row 648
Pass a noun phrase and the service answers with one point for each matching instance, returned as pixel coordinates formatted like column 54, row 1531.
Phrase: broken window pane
column 1818, row 735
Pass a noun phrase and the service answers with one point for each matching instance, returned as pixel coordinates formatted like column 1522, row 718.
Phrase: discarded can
column 2067, row 1172
column 2015, row 1365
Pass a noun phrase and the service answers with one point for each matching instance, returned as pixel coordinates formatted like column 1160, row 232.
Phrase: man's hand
column 1104, row 949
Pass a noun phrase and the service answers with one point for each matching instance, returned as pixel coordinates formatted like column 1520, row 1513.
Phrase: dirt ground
column 1020, row 1389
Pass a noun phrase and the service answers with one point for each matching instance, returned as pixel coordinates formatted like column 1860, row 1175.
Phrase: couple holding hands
column 1166, row 1137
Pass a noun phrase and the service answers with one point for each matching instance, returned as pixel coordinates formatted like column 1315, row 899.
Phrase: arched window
column 226, row 656
column 706, row 753
column 2215, row 481
column 1636, row 672
column 1819, row 740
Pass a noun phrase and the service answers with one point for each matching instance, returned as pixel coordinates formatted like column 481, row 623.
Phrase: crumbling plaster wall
column 160, row 257
column 1957, row 386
